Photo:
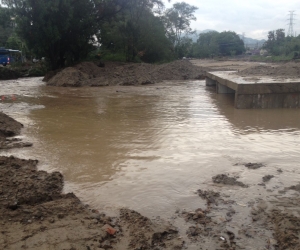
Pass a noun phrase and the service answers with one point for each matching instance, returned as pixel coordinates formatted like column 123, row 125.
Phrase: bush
column 39, row 71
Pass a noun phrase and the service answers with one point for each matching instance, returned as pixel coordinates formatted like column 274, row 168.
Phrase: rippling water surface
column 149, row 147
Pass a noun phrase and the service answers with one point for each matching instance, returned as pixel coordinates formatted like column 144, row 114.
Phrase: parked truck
column 9, row 56
column 4, row 56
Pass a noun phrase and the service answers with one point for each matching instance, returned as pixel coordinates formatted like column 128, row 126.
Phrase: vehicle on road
column 8, row 56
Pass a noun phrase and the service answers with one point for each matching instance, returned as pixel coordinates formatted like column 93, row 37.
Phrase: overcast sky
column 253, row 17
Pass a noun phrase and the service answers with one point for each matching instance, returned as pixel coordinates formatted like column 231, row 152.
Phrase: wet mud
column 226, row 180
column 253, row 165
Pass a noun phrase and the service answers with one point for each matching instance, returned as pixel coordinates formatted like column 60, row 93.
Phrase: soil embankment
column 89, row 74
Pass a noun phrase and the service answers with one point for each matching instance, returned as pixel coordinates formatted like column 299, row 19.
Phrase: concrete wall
column 210, row 82
column 275, row 100
column 256, row 95
column 222, row 89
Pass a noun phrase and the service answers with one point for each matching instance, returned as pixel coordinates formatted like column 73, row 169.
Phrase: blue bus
column 8, row 56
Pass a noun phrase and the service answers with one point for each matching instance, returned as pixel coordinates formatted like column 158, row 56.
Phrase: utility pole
column 291, row 23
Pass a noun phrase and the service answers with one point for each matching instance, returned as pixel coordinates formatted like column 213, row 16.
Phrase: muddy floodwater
column 150, row 148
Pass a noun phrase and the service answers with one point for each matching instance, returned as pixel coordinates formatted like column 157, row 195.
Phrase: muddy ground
column 282, row 70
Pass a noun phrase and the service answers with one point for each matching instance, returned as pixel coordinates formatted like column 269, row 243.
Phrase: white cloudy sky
column 253, row 17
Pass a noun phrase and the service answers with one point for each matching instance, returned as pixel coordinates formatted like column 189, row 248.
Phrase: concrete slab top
column 234, row 78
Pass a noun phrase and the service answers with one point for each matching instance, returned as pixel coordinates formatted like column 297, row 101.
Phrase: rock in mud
column 199, row 216
column 268, row 177
column 254, row 165
column 226, row 180
column 295, row 187
column 211, row 197
column 9, row 126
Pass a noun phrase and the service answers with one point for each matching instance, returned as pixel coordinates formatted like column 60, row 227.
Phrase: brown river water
column 151, row 147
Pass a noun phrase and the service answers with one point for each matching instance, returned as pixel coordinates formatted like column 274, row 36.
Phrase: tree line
column 278, row 44
column 67, row 31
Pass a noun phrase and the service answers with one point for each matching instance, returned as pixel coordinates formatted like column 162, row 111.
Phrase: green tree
column 6, row 28
column 60, row 30
column 276, row 42
column 230, row 43
column 136, row 32
column 177, row 21
column 226, row 43
column 206, row 45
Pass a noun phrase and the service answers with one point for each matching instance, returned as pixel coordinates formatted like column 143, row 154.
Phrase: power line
column 291, row 23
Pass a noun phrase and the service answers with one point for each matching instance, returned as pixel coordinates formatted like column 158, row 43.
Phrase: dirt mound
column 211, row 197
column 287, row 70
column 69, row 77
column 90, row 69
column 89, row 74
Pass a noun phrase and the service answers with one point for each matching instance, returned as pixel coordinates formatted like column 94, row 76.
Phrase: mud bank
column 34, row 214
column 89, row 74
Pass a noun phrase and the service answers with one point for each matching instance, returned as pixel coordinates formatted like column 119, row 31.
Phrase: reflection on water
column 150, row 147
column 254, row 120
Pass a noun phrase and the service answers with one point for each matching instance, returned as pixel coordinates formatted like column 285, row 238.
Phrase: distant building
column 263, row 52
